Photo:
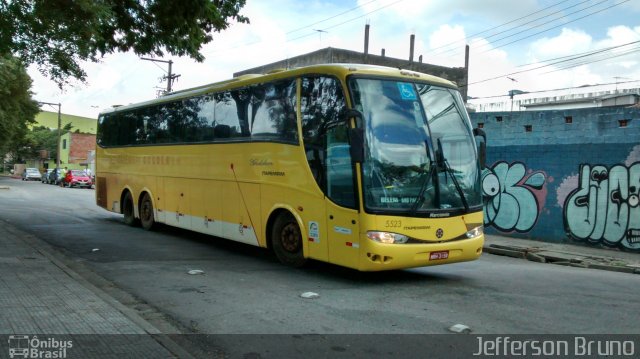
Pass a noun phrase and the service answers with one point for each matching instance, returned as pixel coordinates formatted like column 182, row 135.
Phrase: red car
column 76, row 178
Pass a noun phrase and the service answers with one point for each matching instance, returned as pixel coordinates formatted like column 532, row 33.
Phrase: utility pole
column 170, row 76
column 320, row 34
column 59, row 128
column 512, row 92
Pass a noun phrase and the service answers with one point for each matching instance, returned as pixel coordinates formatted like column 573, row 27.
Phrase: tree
column 35, row 140
column 57, row 35
column 17, row 108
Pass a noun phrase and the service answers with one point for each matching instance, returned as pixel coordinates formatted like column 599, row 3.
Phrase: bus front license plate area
column 434, row 256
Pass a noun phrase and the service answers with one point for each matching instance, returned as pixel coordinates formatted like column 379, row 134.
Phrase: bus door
column 326, row 142
column 342, row 216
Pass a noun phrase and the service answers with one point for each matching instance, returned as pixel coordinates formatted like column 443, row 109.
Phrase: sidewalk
column 569, row 254
column 44, row 301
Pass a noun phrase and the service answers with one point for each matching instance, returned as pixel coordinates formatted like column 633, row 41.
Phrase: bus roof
column 333, row 69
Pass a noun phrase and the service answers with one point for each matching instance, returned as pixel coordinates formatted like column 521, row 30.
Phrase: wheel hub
column 290, row 238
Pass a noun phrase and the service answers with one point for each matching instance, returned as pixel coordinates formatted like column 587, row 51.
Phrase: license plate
column 433, row 256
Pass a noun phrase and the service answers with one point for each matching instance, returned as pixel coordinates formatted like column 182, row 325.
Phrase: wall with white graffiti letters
column 564, row 175
column 513, row 197
column 604, row 206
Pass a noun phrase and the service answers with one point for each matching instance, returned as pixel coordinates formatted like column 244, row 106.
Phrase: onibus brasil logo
column 23, row 346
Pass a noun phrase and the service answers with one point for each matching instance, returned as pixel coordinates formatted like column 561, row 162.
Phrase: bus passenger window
column 201, row 111
column 226, row 110
column 273, row 112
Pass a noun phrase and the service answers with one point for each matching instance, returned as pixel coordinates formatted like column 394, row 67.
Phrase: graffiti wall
column 513, row 198
column 604, row 206
column 596, row 197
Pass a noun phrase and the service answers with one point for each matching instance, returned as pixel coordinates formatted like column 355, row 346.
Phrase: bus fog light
column 387, row 237
column 475, row 232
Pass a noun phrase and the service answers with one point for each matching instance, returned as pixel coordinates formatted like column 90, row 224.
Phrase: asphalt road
column 244, row 290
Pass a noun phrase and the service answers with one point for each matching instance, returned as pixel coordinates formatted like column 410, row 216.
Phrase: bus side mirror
column 347, row 113
column 482, row 147
column 480, row 132
column 356, row 142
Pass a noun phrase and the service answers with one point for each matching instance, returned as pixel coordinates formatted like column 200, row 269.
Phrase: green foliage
column 57, row 35
column 35, row 140
column 41, row 138
column 17, row 108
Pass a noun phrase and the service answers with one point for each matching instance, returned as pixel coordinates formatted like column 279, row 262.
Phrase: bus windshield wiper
column 445, row 164
column 420, row 199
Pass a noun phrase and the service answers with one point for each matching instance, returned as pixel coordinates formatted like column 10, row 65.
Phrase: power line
column 507, row 23
column 627, row 52
column 332, row 17
column 554, row 27
column 579, row 55
column 560, row 89
column 347, row 21
column 575, row 57
column 310, row 25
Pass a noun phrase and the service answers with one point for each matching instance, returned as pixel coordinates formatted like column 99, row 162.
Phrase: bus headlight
column 387, row 237
column 475, row 232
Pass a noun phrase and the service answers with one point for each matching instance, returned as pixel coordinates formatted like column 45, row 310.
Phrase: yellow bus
column 366, row 167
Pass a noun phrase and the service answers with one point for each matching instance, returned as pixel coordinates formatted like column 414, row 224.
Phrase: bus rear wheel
column 286, row 241
column 127, row 210
column 146, row 213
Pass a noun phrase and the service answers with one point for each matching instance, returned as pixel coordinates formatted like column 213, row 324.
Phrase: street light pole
column 59, row 135
column 59, row 128
column 170, row 77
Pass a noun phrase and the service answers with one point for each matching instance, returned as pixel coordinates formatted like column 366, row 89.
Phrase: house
column 76, row 146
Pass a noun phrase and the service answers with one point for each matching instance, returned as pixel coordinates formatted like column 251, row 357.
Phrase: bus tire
column 146, row 213
column 127, row 210
column 286, row 241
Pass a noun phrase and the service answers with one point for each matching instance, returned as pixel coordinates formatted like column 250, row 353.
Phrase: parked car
column 30, row 174
column 54, row 177
column 77, row 178
column 45, row 176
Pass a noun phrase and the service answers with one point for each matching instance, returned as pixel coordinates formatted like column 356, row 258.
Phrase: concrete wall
column 329, row 55
column 573, row 175
column 81, row 144
column 83, row 124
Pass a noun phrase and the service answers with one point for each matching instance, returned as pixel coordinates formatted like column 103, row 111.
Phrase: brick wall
column 574, row 176
column 80, row 145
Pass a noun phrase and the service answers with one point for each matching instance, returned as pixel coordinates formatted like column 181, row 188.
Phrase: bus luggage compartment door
column 343, row 235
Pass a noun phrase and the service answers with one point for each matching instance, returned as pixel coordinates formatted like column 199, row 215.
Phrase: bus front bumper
column 376, row 256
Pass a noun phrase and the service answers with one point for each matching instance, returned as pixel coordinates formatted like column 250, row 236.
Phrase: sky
column 529, row 45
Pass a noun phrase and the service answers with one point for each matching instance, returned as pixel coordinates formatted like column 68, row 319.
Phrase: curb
column 538, row 255
column 58, row 259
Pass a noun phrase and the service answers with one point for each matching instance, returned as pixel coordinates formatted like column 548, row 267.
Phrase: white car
column 30, row 174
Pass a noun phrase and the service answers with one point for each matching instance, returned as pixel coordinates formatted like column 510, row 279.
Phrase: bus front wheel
column 146, row 213
column 287, row 241
column 127, row 210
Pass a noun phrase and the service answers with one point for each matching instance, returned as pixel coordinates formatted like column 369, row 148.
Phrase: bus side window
column 127, row 134
column 197, row 116
column 205, row 115
column 273, row 112
column 229, row 107
column 311, row 123
column 158, row 126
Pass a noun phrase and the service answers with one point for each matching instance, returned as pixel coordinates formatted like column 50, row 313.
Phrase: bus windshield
column 420, row 154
